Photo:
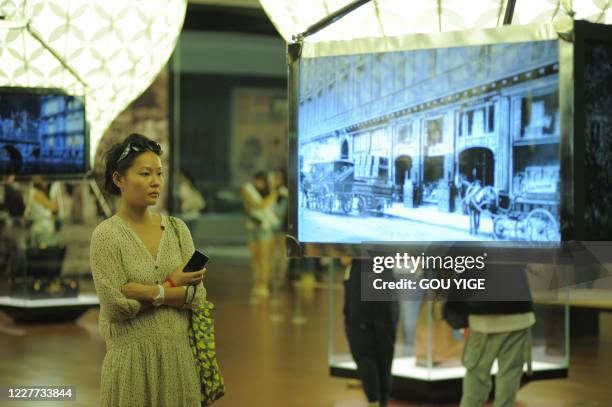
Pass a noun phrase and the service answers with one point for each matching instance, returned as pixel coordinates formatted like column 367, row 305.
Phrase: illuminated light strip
column 394, row 17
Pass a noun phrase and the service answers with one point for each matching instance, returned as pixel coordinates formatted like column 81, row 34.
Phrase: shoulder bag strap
column 172, row 222
column 175, row 230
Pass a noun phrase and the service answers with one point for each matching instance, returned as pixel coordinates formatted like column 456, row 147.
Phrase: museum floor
column 267, row 359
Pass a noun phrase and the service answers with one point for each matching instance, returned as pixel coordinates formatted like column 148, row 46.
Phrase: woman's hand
column 180, row 278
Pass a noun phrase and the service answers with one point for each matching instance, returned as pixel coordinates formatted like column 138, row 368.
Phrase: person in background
column 280, row 210
column 57, row 193
column 259, row 199
column 371, row 328
column 12, row 206
column 500, row 321
column 76, row 210
column 192, row 201
column 41, row 211
column 137, row 259
column 473, row 195
column 14, row 236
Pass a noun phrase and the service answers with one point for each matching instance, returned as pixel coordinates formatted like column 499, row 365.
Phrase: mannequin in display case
column 371, row 328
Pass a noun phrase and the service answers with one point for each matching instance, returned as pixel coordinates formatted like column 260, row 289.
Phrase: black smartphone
column 197, row 262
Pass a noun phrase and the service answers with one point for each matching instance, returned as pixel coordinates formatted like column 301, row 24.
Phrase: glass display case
column 44, row 251
column 427, row 361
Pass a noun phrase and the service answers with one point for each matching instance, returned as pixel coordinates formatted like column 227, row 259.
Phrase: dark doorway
column 477, row 163
column 403, row 167
column 403, row 163
column 434, row 169
column 344, row 150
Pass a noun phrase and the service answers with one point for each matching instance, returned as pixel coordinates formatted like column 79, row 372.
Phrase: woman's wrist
column 152, row 293
column 148, row 293
column 168, row 282
column 140, row 292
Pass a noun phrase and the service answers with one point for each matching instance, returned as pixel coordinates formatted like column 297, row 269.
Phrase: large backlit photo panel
column 441, row 144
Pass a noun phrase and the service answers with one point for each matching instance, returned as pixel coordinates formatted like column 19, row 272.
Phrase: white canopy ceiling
column 116, row 47
column 380, row 18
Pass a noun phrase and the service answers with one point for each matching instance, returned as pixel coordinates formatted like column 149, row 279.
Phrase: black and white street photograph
column 439, row 144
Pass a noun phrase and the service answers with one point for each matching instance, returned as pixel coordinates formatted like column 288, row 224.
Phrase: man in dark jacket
column 500, row 321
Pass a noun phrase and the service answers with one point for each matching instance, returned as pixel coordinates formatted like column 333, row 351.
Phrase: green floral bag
column 202, row 342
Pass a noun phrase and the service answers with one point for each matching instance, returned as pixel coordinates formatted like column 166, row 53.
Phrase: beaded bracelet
column 189, row 294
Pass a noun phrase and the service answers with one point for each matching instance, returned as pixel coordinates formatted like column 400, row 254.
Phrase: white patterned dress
column 148, row 360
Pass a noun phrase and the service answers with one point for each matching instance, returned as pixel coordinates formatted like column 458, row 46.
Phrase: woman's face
column 260, row 184
column 143, row 181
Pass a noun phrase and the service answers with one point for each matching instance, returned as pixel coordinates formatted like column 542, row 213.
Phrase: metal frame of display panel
column 584, row 33
column 507, row 34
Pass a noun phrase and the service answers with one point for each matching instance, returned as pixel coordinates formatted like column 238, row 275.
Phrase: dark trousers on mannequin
column 372, row 347
column 371, row 330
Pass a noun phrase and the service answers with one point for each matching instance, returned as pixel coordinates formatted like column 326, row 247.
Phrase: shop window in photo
column 477, row 122
column 434, row 132
column 406, row 134
column 540, row 116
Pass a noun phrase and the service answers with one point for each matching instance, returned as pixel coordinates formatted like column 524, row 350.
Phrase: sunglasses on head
column 137, row 148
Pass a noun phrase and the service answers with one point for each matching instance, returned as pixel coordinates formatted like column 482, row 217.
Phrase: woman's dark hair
column 121, row 156
column 263, row 177
column 39, row 183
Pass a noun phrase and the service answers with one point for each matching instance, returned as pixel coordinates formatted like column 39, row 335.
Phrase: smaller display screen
column 41, row 132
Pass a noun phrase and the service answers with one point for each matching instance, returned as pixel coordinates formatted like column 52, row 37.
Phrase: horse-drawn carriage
column 514, row 217
column 333, row 186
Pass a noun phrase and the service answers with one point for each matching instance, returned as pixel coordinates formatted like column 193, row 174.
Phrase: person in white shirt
column 259, row 198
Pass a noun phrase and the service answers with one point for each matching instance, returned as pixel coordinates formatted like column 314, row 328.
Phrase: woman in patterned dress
column 137, row 262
